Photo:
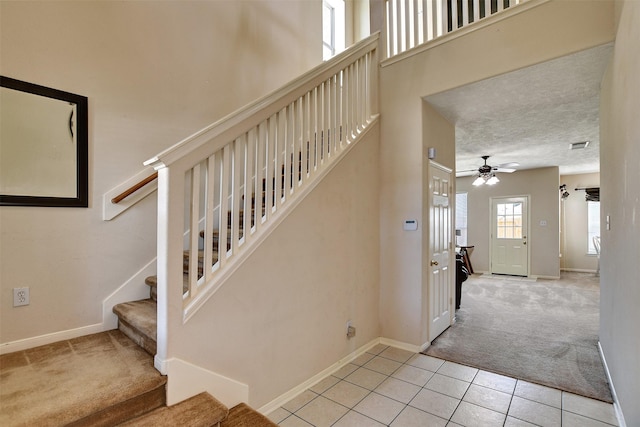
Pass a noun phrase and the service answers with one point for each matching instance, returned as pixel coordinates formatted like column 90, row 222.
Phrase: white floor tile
column 379, row 407
column 345, row 370
column 435, row 403
column 377, row 349
column 293, row 421
column 425, row 362
column 495, row 381
column 488, row 398
column 321, row 412
column 514, row 422
column 382, row 365
column 362, row 359
column 534, row 412
column 398, row 390
column 447, row 385
column 325, row 384
column 299, row 401
column 366, row 378
column 278, row 415
column 413, row 417
column 397, row 354
column 538, row 393
column 570, row 419
column 468, row 414
column 460, row 372
column 354, row 419
column 346, row 394
column 389, row 386
column 590, row 408
column 413, row 375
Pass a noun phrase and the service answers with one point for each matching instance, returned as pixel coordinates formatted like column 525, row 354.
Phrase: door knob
column 434, row 262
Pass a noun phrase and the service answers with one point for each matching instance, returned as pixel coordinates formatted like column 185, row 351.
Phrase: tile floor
column 387, row 386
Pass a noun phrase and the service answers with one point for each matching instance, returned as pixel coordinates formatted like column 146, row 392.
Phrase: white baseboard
column 284, row 398
column 19, row 345
column 187, row 380
column 578, row 270
column 616, row 404
column 404, row 346
column 133, row 289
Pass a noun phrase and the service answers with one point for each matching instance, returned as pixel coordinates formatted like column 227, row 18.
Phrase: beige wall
column 154, row 73
column 620, row 201
column 549, row 30
column 281, row 318
column 573, row 225
column 541, row 185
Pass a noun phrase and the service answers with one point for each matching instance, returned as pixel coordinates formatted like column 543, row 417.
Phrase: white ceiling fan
column 486, row 174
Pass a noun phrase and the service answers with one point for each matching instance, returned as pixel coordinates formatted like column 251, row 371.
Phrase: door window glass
column 509, row 220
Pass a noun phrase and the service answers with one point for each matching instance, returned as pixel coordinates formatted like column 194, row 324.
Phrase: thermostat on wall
column 410, row 225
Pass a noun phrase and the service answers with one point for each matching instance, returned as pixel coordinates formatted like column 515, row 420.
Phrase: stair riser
column 148, row 344
column 124, row 411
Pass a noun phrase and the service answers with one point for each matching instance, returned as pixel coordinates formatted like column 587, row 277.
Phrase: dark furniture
column 461, row 275
column 464, row 251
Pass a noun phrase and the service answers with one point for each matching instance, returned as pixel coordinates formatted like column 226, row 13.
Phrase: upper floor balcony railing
column 409, row 23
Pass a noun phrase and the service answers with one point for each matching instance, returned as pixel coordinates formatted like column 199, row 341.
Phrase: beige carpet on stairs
column 244, row 416
column 201, row 410
column 98, row 379
column 544, row 332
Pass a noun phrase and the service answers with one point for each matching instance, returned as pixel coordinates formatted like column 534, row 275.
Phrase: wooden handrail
column 129, row 191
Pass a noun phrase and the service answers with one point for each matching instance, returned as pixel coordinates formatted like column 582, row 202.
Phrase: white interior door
column 441, row 278
column 509, row 225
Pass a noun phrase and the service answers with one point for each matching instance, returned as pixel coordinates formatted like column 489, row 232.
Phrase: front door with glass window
column 509, row 247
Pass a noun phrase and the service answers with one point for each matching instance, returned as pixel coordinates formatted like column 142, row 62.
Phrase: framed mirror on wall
column 43, row 146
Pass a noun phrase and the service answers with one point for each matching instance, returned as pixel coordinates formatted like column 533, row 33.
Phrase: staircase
column 105, row 379
column 138, row 321
column 109, row 379
column 278, row 149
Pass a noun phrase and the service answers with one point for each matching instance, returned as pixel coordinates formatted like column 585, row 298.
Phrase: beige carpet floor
column 56, row 384
column 545, row 332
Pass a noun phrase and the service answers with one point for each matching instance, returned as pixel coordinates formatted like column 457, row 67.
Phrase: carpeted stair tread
column 138, row 320
column 152, row 282
column 99, row 379
column 243, row 415
column 201, row 410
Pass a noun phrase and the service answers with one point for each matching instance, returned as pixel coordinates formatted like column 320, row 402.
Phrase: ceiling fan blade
column 509, row 165
column 504, row 170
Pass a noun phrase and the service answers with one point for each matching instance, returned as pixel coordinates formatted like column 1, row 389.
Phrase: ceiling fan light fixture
column 479, row 181
column 493, row 180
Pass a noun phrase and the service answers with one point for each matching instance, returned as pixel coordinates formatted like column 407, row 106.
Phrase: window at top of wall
column 333, row 28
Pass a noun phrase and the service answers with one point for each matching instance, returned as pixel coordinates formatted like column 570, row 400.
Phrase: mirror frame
column 82, row 149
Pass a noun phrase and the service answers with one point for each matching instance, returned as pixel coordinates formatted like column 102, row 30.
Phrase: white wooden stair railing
column 409, row 23
column 275, row 150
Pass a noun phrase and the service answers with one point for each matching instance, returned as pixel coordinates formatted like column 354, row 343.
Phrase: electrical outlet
column 20, row 296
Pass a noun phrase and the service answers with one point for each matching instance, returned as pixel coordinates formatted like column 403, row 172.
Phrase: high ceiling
column 530, row 116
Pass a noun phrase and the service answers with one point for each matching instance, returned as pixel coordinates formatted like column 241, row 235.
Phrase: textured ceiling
column 530, row 116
